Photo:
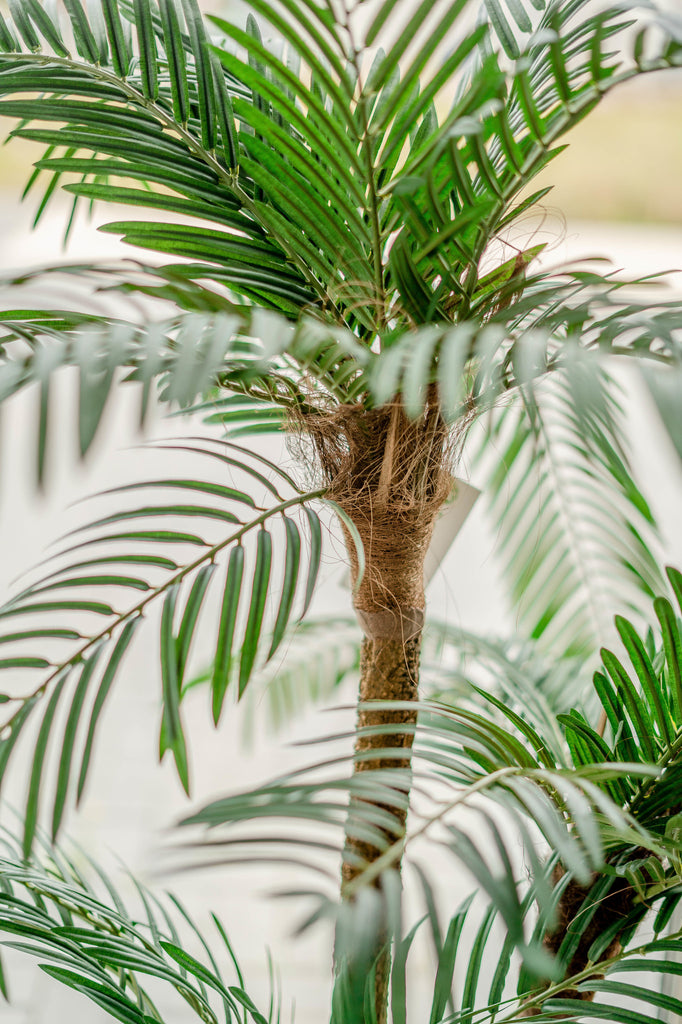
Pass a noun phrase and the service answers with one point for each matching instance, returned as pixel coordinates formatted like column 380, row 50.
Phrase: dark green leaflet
column 147, row 47
column 289, row 581
column 176, row 60
column 82, row 33
column 172, row 736
column 66, row 756
column 120, row 56
column 106, row 682
column 190, row 616
column 31, row 818
column 254, row 622
column 226, row 629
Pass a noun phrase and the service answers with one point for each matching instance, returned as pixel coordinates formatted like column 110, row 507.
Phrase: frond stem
column 598, row 967
column 177, row 577
column 395, row 851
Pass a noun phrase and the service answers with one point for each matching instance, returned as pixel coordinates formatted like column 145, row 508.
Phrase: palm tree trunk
column 388, row 474
column 389, row 671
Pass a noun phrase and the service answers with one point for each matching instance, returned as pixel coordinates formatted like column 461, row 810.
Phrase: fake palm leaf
column 575, row 534
column 287, row 181
column 86, row 936
column 614, row 833
column 330, row 244
column 195, row 549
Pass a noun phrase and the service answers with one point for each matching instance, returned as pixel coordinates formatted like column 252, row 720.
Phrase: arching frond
column 296, row 156
column 575, row 534
column 165, row 552
column 461, row 186
column 86, row 936
column 615, row 838
column 562, row 316
column 458, row 668
column 468, row 757
column 482, row 669
column 300, row 183
column 260, row 358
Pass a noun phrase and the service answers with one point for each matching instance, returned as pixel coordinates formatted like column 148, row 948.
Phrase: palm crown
column 330, row 209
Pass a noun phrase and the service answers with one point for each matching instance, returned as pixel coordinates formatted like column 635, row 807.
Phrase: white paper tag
column 450, row 521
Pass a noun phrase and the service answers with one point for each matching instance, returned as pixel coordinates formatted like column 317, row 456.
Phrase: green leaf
column 503, row 29
column 107, row 996
column 202, row 486
column 627, row 992
column 442, row 989
column 8, row 742
column 46, row 27
column 228, row 130
column 672, row 643
column 476, row 960
column 24, row 662
column 120, row 57
column 23, row 23
column 31, row 817
column 190, row 616
column 106, row 682
column 289, row 581
column 177, row 68
column 600, row 1011
column 358, row 546
column 204, row 75
column 172, row 736
column 189, row 963
column 646, row 675
column 8, row 42
column 228, row 619
column 241, row 996
column 675, row 579
column 96, row 607
column 147, row 47
column 66, row 756
column 82, row 33
column 254, row 622
column 315, row 528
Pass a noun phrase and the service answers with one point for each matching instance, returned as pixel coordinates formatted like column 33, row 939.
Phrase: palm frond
column 465, row 988
column 559, row 318
column 462, row 666
column 615, row 836
column 458, row 190
column 323, row 213
column 458, row 668
column 257, row 356
column 296, row 161
column 575, row 534
column 93, row 943
column 106, row 579
column 464, row 752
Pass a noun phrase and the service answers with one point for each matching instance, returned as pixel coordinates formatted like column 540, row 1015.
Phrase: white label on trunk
column 450, row 521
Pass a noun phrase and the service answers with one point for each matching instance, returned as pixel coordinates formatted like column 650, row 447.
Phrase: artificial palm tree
column 332, row 212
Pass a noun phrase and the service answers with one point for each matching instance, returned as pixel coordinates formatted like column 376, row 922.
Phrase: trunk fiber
column 388, row 473
column 389, row 605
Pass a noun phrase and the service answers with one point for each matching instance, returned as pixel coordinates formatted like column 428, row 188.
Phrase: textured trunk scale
column 388, row 475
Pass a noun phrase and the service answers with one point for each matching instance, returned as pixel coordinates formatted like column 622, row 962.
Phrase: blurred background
column 616, row 193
